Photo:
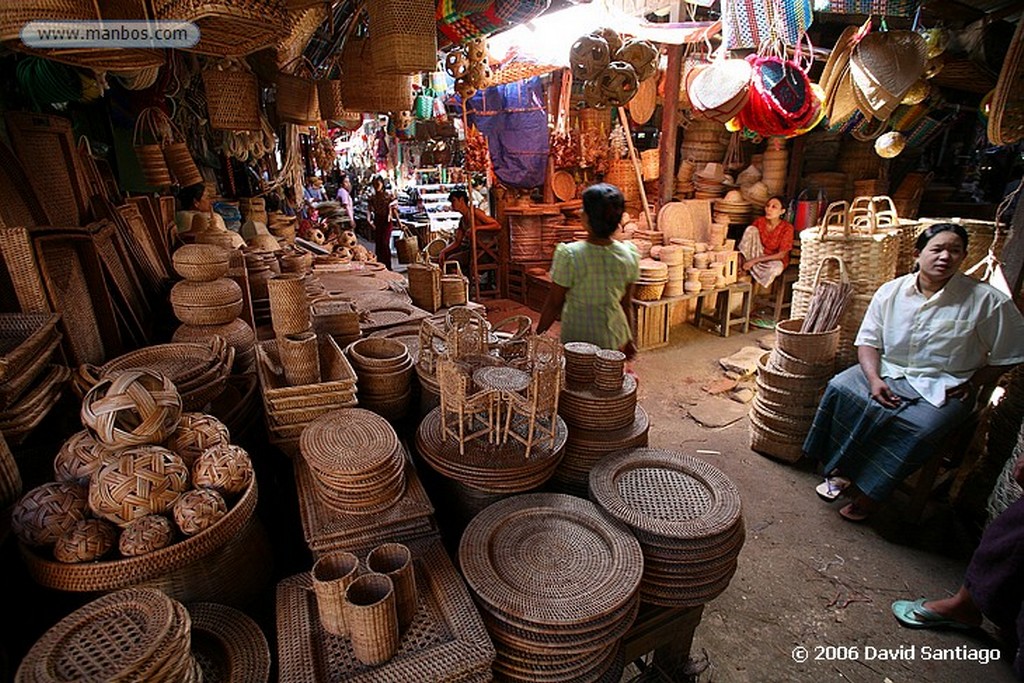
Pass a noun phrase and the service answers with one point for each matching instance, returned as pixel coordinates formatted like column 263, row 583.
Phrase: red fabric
column 774, row 241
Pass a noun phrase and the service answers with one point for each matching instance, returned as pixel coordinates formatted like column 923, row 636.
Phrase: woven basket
column 332, row 574
column 395, row 561
column 425, row 286
column 772, row 443
column 650, row 291
column 207, row 303
column 300, row 358
column 372, row 618
column 454, row 286
column 289, row 306
column 153, row 165
column 132, row 408
column 363, row 89
column 201, row 262
column 793, row 427
column 784, row 362
column 232, row 96
column 377, row 353
column 228, row 27
column 650, row 164
column 622, row 174
column 181, row 164
column 408, row 247
column 297, row 98
column 785, row 381
column 870, row 259
column 332, row 107
column 816, row 348
column 404, row 36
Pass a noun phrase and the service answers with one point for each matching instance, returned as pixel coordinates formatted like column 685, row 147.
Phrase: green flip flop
column 913, row 614
column 763, row 323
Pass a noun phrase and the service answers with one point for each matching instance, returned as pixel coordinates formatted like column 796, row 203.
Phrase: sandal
column 851, row 512
column 832, row 488
column 913, row 614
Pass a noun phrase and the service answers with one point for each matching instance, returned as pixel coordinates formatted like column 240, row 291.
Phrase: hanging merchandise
column 882, row 8
column 884, row 66
column 720, row 90
column 513, row 117
column 782, row 101
column 750, row 25
column 611, row 69
column 564, row 148
column 462, row 20
column 890, row 144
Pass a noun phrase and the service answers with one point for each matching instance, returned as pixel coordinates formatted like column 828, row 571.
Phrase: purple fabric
column 995, row 576
column 514, row 119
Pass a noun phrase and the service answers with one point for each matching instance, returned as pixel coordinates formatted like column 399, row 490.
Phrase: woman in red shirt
column 766, row 244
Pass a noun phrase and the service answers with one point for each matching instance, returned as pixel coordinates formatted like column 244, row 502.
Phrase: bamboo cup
column 372, row 618
column 289, row 307
column 332, row 575
column 395, row 561
column 300, row 358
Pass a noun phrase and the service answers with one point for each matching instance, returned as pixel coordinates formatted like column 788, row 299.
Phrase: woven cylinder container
column 154, row 167
column 138, row 481
column 87, row 541
column 364, row 89
column 205, row 262
column 181, row 164
column 145, row 535
column 395, row 561
column 333, row 573
column 225, row 468
column 297, row 100
column 133, row 407
column 232, row 97
column 811, row 348
column 404, row 35
column 198, row 510
column 622, row 175
column 332, row 107
column 46, row 512
column 289, row 306
column 300, row 358
column 207, row 303
column 372, row 618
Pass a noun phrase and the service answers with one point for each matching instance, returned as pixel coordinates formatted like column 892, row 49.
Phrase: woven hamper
column 297, row 97
column 332, row 107
column 232, row 96
column 404, row 36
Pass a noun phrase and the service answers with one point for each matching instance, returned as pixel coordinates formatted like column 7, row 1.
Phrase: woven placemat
column 594, row 410
column 229, row 646
column 666, row 493
column 446, row 640
column 350, row 441
column 550, row 558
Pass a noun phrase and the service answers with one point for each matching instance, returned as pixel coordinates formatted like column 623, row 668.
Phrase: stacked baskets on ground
column 686, row 515
column 211, row 303
column 565, row 617
column 29, row 384
column 790, row 381
column 384, row 369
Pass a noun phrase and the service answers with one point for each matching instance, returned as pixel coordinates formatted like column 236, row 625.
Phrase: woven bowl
column 146, row 535
column 86, row 541
column 79, row 458
column 138, row 481
column 648, row 291
column 198, row 510
column 206, row 303
column 224, row 468
column 132, row 408
column 201, row 262
column 196, row 432
column 46, row 512
column 377, row 353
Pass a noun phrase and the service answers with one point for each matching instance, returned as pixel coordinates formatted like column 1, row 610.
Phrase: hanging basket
column 232, row 96
column 297, row 97
column 404, row 36
column 181, row 164
column 332, row 106
column 363, row 89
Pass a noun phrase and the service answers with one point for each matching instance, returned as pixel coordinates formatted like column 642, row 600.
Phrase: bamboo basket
column 298, row 100
column 770, row 442
column 404, row 35
column 425, row 286
column 454, row 286
column 181, row 164
column 808, row 348
column 232, row 96
column 231, row 28
column 332, row 105
column 363, row 89
column 622, row 174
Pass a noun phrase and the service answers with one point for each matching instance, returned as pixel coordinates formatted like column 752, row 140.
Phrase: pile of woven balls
column 469, row 65
column 611, row 68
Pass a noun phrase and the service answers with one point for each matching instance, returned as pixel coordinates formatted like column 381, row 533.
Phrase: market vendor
column 383, row 211
column 592, row 281
column 766, row 244
column 458, row 248
column 191, row 200
column 929, row 341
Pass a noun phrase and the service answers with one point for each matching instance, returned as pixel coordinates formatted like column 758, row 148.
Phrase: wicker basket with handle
column 404, row 36
column 297, row 96
column 454, row 286
column 232, row 96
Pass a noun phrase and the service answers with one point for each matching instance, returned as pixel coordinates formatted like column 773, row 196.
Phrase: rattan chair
column 510, row 338
column 537, row 412
column 468, row 409
column 545, row 351
column 433, row 346
column 468, row 333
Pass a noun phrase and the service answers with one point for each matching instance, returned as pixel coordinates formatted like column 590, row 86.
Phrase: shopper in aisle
column 344, row 197
column 383, row 211
column 592, row 281
column 929, row 341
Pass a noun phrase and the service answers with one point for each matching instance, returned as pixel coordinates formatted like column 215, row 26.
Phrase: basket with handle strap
column 454, row 285
column 408, row 245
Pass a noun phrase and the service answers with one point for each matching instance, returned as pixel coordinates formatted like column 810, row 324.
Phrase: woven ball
column 225, row 468
column 46, row 512
column 79, row 458
column 456, row 63
column 479, row 76
column 464, row 88
column 145, row 535
column 588, row 57
column 618, row 83
column 476, row 50
column 347, row 239
column 198, row 510
column 641, row 55
column 196, row 432
column 86, row 541
column 132, row 408
column 593, row 96
column 138, row 481
column 611, row 36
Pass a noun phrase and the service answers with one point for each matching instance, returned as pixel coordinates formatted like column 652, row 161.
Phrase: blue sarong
column 874, row 446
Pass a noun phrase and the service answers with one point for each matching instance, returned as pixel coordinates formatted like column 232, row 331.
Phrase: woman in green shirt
column 592, row 281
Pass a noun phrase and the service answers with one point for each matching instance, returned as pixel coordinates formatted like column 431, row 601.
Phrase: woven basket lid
column 550, row 558
column 349, row 440
column 666, row 493
column 719, row 84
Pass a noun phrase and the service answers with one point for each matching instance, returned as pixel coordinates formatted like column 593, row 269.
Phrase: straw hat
column 884, row 66
column 721, row 90
column 712, row 171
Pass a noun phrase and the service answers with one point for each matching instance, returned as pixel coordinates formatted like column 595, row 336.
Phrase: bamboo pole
column 624, row 120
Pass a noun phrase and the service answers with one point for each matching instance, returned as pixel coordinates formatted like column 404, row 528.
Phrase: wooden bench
column 653, row 319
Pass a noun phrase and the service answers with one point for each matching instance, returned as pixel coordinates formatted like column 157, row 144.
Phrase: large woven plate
column 349, row 441
column 666, row 493
column 550, row 558
column 446, row 640
column 228, row 645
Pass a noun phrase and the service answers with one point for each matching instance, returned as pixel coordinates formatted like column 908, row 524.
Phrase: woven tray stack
column 142, row 634
column 790, row 382
column 211, row 303
column 30, row 384
column 600, row 418
column 653, row 278
column 558, row 584
column 289, row 408
column 686, row 515
column 385, row 370
column 446, row 640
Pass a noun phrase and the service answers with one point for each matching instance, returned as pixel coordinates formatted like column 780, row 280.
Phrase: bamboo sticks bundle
column 828, row 301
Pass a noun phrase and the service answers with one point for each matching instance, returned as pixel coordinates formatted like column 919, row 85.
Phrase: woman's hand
column 881, row 393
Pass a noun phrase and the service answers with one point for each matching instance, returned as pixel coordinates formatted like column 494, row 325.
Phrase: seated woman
column 191, row 200
column 458, row 248
column 766, row 244
column 992, row 586
column 928, row 341
column 592, row 281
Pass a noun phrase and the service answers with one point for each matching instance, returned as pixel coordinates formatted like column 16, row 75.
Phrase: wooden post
column 624, row 120
column 554, row 91
column 796, row 164
column 669, row 125
column 1012, row 257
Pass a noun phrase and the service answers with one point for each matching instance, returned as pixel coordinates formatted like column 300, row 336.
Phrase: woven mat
column 229, row 646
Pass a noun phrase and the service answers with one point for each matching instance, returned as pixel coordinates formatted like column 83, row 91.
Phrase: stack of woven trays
column 289, row 409
column 674, row 256
column 653, row 278
column 142, row 634
column 355, row 459
column 773, row 165
column 790, row 381
column 608, row 370
column 446, row 640
column 686, row 515
column 210, row 302
column 198, row 370
column 29, row 384
column 384, row 368
column 579, row 363
column 558, row 585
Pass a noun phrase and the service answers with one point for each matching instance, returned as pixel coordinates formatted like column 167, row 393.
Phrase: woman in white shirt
column 928, row 342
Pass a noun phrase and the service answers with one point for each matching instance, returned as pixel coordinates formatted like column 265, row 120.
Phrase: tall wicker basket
column 404, row 36
column 232, row 96
column 297, row 96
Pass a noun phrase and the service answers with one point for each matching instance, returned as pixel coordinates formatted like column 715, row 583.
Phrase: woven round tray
column 551, row 559
column 666, row 493
column 350, row 441
column 229, row 646
column 586, row 409
column 114, row 574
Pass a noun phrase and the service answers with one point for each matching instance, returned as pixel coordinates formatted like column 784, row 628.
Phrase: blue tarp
column 514, row 119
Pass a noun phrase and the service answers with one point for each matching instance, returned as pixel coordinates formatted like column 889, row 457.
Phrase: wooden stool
column 723, row 316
